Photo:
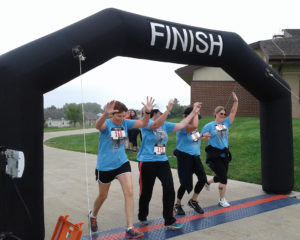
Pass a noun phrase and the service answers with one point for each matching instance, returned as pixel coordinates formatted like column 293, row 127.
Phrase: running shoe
column 178, row 210
column 93, row 222
column 194, row 204
column 174, row 226
column 133, row 234
column 145, row 222
column 223, row 203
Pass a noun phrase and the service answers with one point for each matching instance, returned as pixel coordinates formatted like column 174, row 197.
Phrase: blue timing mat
column 214, row 215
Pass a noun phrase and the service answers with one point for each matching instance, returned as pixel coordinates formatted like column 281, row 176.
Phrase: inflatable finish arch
column 28, row 72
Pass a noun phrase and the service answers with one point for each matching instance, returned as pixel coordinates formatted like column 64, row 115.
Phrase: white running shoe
column 223, row 203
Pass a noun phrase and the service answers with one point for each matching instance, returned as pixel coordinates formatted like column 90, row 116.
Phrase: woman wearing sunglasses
column 217, row 152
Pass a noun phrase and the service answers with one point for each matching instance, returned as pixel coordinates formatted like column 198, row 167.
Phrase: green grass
column 76, row 142
column 57, row 129
column 244, row 142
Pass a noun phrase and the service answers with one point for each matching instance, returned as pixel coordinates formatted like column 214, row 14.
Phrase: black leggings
column 181, row 190
column 187, row 166
column 220, row 167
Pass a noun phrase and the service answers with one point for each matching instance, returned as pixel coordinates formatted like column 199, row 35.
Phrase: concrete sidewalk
column 70, row 188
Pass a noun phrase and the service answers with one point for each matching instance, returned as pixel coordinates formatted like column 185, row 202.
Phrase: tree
column 73, row 113
column 177, row 110
column 92, row 107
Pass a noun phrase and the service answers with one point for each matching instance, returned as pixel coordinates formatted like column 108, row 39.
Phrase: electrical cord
column 8, row 236
column 22, row 200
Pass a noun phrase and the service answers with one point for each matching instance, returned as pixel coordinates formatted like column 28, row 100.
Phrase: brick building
column 213, row 86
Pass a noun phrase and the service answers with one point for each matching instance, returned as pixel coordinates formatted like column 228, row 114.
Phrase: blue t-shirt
column 219, row 133
column 153, row 147
column 111, row 151
column 188, row 142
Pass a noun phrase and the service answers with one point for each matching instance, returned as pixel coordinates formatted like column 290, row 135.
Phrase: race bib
column 221, row 131
column 160, row 149
column 221, row 127
column 195, row 135
column 117, row 134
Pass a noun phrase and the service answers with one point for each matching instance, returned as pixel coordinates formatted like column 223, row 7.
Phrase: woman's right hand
column 170, row 105
column 196, row 107
column 109, row 109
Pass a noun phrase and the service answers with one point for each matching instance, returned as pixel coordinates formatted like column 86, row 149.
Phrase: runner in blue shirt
column 218, row 155
column 153, row 163
column 188, row 162
column 112, row 160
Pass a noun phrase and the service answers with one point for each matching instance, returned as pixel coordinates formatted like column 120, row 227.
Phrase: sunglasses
column 223, row 114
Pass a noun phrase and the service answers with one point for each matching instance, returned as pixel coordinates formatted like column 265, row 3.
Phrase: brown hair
column 218, row 109
column 121, row 107
column 188, row 110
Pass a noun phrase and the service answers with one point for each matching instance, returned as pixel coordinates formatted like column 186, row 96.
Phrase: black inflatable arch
column 28, row 72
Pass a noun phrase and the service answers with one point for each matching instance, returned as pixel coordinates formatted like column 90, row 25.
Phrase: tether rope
column 78, row 53
column 268, row 73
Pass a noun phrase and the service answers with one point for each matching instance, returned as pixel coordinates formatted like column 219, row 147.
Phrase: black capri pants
column 219, row 166
column 187, row 165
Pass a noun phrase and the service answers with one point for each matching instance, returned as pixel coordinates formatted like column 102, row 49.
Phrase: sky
column 24, row 21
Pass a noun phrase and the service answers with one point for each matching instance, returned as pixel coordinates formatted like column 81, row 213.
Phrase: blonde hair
column 218, row 109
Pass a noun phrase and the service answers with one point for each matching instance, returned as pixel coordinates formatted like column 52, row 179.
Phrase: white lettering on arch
column 202, row 41
column 215, row 43
column 155, row 33
column 185, row 40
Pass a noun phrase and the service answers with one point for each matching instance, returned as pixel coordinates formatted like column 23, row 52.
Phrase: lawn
column 244, row 142
column 58, row 129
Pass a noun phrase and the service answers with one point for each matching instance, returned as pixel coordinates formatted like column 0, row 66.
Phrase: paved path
column 67, row 192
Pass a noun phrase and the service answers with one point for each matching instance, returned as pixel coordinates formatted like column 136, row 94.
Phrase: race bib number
column 195, row 135
column 117, row 134
column 159, row 149
column 221, row 127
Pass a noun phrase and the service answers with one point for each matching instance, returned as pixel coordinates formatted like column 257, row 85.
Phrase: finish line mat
column 214, row 215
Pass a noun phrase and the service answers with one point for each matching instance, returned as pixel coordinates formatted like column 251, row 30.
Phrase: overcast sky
column 26, row 20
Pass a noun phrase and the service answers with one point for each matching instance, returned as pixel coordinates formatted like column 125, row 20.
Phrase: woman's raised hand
column 235, row 99
column 149, row 104
column 109, row 109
